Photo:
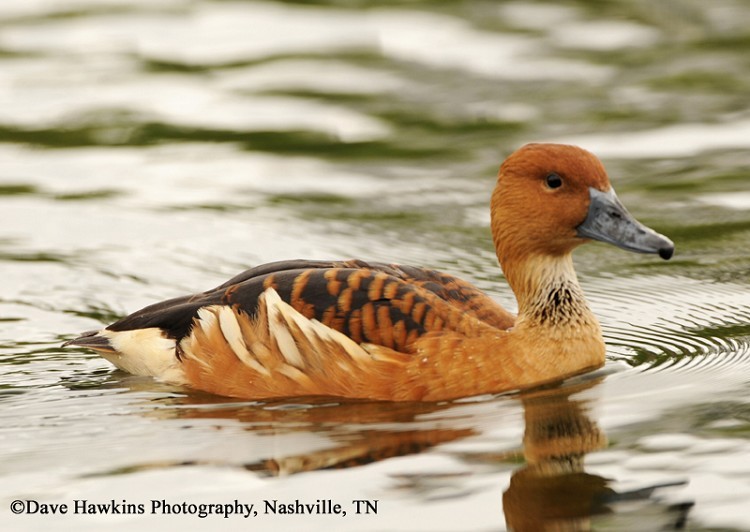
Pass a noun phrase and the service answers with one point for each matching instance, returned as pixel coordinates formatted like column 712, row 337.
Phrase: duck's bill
column 609, row 221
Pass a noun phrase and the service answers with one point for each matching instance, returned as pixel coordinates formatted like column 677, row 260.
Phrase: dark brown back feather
column 385, row 304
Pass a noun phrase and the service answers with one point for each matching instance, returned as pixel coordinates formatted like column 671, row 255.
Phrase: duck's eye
column 554, row 181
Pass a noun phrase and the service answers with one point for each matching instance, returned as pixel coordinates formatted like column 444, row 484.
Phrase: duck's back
column 384, row 304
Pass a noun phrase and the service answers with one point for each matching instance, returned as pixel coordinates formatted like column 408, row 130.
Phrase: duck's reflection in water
column 553, row 492
column 371, row 432
column 356, row 432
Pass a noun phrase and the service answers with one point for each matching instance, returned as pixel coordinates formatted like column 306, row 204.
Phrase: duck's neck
column 549, row 296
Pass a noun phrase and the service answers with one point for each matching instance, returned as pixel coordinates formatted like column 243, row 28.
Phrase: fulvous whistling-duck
column 401, row 333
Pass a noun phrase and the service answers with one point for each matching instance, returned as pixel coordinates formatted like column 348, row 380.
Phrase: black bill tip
column 666, row 252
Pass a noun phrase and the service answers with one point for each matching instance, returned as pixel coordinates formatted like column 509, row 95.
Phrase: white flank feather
column 278, row 327
column 207, row 318
column 313, row 330
column 283, row 323
column 232, row 332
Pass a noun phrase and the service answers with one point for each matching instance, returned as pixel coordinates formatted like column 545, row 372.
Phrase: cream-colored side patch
column 278, row 327
column 313, row 331
column 277, row 341
column 230, row 328
column 207, row 318
column 145, row 352
column 232, row 332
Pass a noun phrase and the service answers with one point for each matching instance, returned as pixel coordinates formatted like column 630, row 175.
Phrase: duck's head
column 550, row 198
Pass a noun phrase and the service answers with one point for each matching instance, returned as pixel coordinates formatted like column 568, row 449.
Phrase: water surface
column 151, row 149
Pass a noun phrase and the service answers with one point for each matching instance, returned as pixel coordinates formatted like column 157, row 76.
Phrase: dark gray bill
column 609, row 221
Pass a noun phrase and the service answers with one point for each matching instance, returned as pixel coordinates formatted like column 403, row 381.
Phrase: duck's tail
column 92, row 340
column 146, row 352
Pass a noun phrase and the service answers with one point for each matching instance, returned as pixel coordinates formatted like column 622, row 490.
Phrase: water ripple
column 658, row 324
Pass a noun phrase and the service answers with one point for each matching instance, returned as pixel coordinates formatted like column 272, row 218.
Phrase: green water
column 154, row 148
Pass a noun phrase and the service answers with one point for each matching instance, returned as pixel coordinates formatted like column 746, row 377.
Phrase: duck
column 390, row 332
